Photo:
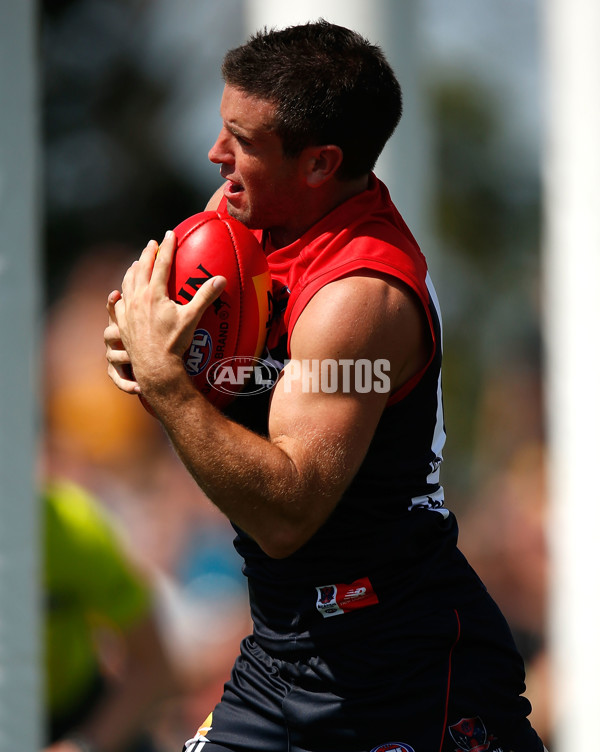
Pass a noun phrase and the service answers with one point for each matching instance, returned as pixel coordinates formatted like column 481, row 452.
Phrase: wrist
column 162, row 377
column 169, row 390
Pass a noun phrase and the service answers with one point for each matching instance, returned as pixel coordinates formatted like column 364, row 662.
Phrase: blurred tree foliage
column 107, row 176
column 487, row 216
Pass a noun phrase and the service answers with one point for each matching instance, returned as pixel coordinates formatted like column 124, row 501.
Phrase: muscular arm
column 281, row 489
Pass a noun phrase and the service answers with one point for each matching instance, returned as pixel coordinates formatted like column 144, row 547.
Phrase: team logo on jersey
column 471, row 735
column 335, row 600
column 393, row 747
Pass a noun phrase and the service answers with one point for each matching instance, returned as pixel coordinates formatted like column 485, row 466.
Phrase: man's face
column 263, row 185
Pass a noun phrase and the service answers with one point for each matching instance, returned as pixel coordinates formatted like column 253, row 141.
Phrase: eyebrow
column 250, row 134
column 238, row 130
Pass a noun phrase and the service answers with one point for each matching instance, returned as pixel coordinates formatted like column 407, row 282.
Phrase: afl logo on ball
column 197, row 357
column 393, row 747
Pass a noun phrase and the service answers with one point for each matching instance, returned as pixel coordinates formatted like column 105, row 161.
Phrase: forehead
column 246, row 112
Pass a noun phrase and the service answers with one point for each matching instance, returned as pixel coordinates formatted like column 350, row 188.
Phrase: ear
column 321, row 163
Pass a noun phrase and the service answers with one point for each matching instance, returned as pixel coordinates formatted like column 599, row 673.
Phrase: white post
column 355, row 14
column 20, row 694
column 572, row 334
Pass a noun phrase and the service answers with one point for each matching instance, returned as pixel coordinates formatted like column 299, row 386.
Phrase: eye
column 241, row 140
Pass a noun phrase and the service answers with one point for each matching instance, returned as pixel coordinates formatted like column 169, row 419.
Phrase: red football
column 236, row 324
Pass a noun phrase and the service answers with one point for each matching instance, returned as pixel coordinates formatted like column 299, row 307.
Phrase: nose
column 219, row 153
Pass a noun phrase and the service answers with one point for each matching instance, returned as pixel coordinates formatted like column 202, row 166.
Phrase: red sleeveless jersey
column 365, row 232
column 390, row 542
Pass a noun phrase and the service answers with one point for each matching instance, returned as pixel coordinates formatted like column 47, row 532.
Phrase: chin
column 244, row 216
column 236, row 212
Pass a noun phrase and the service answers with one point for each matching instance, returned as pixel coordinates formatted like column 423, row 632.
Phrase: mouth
column 233, row 189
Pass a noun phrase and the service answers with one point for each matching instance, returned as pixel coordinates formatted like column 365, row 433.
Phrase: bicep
column 326, row 435
column 357, row 339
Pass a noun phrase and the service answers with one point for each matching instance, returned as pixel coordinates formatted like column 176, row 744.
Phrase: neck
column 319, row 202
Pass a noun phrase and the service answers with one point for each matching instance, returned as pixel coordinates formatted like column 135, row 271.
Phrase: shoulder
column 379, row 250
column 215, row 200
column 368, row 315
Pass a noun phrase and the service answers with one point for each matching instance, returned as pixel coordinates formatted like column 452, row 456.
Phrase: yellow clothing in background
column 89, row 582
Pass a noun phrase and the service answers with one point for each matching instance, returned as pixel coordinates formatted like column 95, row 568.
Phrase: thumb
column 206, row 295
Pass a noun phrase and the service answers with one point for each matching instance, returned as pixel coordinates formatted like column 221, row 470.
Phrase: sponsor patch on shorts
column 335, row 600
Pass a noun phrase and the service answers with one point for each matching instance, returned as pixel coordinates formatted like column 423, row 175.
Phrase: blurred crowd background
column 131, row 93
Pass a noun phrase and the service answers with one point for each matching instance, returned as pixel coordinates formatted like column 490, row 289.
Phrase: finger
column 204, row 297
column 112, row 336
column 118, row 311
column 141, row 270
column 113, row 297
column 119, row 362
column 128, row 282
column 146, row 261
column 121, row 377
column 164, row 260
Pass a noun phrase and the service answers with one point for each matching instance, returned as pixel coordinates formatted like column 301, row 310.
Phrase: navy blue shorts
column 443, row 683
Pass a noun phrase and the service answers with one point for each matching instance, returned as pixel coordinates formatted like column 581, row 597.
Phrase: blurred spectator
column 106, row 442
column 105, row 658
column 503, row 534
column 120, row 643
column 88, row 432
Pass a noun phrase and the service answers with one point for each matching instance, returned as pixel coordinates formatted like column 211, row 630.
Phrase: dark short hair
column 330, row 86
